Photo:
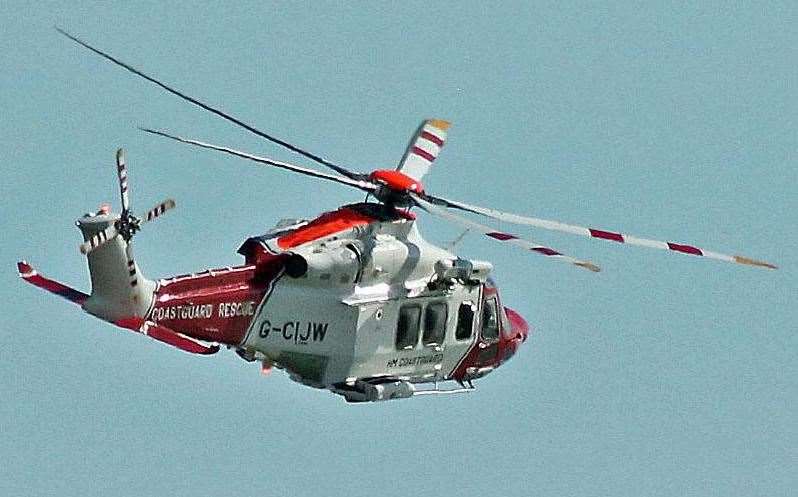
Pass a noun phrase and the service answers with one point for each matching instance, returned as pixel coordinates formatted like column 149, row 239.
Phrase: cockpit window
column 407, row 327
column 490, row 320
column 434, row 324
column 465, row 321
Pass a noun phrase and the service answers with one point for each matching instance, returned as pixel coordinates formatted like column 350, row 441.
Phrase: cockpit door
column 488, row 341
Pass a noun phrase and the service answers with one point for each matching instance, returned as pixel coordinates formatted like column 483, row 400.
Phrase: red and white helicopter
column 354, row 301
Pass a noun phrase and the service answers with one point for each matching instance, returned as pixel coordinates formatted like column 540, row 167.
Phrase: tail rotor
column 128, row 224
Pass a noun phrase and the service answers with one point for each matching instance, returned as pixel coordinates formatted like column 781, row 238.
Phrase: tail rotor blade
column 596, row 233
column 99, row 239
column 159, row 210
column 501, row 236
column 131, row 265
column 121, row 171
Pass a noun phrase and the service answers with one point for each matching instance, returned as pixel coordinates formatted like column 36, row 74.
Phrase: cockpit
column 500, row 332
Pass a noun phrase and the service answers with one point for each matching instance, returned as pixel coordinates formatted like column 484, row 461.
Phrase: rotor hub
column 395, row 187
column 128, row 225
column 396, row 181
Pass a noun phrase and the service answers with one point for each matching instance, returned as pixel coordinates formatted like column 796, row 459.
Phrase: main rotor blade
column 339, row 169
column 596, row 233
column 99, row 239
column 361, row 184
column 500, row 236
column 424, row 148
column 121, row 171
column 159, row 210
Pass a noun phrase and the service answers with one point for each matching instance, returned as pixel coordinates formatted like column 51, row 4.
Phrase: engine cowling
column 334, row 266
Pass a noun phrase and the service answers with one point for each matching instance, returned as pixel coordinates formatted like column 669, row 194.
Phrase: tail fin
column 120, row 294
column 114, row 295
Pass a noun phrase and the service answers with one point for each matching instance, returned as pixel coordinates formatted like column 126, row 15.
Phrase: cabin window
column 407, row 326
column 490, row 320
column 434, row 324
column 465, row 321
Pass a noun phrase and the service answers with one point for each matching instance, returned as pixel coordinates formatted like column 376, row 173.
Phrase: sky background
column 663, row 375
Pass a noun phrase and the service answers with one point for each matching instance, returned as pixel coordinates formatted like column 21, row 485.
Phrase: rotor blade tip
column 440, row 124
column 753, row 262
column 65, row 33
column 158, row 133
column 24, row 268
column 589, row 266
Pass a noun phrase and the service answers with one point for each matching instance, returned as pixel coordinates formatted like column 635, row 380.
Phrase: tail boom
column 216, row 305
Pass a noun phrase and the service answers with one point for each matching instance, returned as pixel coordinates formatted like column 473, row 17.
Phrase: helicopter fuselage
column 352, row 299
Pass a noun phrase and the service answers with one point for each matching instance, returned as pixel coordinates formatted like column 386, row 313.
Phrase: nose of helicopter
column 519, row 328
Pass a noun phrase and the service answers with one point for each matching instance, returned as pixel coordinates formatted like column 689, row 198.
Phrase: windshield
column 490, row 319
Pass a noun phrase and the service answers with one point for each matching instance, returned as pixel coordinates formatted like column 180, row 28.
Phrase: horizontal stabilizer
column 166, row 335
column 29, row 274
column 139, row 325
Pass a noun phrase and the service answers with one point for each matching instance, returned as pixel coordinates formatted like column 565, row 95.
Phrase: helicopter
column 354, row 301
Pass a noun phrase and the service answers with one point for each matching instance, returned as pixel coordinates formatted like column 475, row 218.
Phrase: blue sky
column 662, row 375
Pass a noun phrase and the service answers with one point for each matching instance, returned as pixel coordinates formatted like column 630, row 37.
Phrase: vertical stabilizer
column 114, row 293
